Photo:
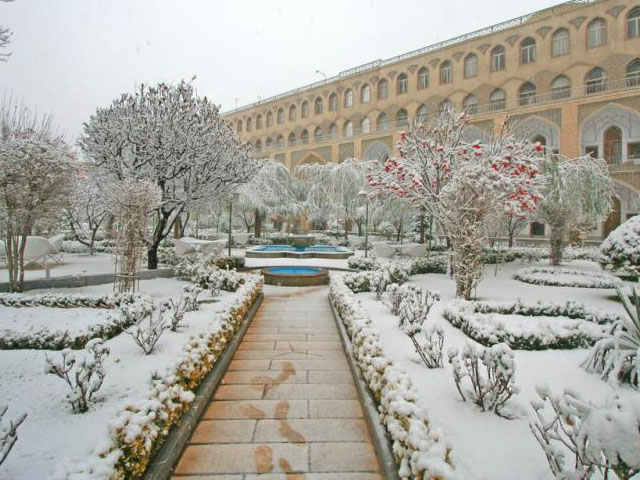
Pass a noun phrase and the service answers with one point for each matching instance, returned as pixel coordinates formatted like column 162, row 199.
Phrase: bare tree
column 35, row 167
column 168, row 135
column 5, row 39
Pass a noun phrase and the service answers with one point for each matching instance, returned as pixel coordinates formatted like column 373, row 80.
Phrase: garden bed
column 566, row 277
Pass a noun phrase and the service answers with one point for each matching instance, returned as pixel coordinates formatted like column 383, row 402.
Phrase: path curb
column 163, row 462
column 379, row 437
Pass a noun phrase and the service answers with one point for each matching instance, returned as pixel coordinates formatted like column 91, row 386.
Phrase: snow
column 50, row 420
column 34, row 319
column 72, row 265
column 485, row 446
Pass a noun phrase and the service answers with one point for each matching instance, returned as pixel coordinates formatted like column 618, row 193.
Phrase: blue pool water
column 291, row 248
column 293, row 270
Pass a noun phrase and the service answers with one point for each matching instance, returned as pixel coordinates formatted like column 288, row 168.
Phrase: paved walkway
column 288, row 408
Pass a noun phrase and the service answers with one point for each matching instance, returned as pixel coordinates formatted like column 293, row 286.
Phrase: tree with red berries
column 460, row 184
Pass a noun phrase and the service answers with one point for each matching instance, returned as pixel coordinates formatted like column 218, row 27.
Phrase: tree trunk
column 92, row 241
column 556, row 243
column 510, row 240
column 422, row 228
column 152, row 252
column 257, row 226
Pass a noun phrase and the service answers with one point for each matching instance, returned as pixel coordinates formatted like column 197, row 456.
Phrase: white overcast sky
column 71, row 56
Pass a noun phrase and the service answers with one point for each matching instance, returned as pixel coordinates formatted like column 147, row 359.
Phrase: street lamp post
column 365, row 198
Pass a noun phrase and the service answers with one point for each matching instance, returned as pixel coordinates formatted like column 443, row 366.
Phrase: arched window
column 596, row 33
column 423, row 78
column 446, row 73
column 280, row 142
column 596, row 80
column 470, row 65
column 292, row 113
column 365, row 93
column 383, row 89
column 612, row 143
column 258, row 145
column 269, row 118
column 365, row 125
column 333, row 131
column 348, row 98
column 633, row 73
column 633, row 23
column 317, row 106
column 528, row 51
column 422, row 113
column 304, row 137
column 402, row 117
column 527, row 94
column 402, row 84
column 333, row 102
column 304, row 109
column 239, row 127
column 292, row 139
column 267, row 142
column 347, row 129
column 280, row 116
column 381, row 122
column 317, row 134
column 249, row 124
column 560, row 88
column 560, row 42
column 258, row 122
column 498, row 58
column 470, row 104
column 445, row 105
column 497, row 100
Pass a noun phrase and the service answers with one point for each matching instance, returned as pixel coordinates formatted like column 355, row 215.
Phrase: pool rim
column 294, row 280
column 319, row 271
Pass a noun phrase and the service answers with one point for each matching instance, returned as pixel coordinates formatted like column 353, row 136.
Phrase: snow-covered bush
column 617, row 356
column 431, row 264
column 147, row 334
column 228, row 263
column 358, row 281
column 575, row 325
column 196, row 270
column 621, row 249
column 490, row 373
column 379, row 281
column 395, row 294
column 557, row 277
column 141, row 427
column 419, row 449
column 84, row 374
column 8, row 432
column 413, row 311
column 362, row 263
column 387, row 230
column 580, row 438
column 187, row 302
column 167, row 255
column 57, row 300
column 397, row 272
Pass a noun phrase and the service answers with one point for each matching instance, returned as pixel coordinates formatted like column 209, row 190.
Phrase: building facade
column 567, row 76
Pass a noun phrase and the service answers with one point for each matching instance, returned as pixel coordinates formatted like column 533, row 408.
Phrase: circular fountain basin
column 296, row 251
column 295, row 276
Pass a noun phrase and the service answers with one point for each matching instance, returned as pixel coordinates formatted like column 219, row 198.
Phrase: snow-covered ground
column 485, row 446
column 52, row 433
column 72, row 264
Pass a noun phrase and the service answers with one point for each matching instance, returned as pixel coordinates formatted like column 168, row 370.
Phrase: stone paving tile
column 243, row 458
column 224, row 431
column 343, row 457
column 257, row 409
column 287, row 408
column 262, row 377
column 335, row 409
column 311, row 430
column 347, row 392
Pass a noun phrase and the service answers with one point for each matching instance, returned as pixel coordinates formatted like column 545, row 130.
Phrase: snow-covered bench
column 412, row 249
column 189, row 245
column 241, row 238
column 383, row 250
column 39, row 250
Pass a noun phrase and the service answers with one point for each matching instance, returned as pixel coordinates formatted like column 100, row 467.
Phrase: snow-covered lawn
column 51, row 434
column 486, row 446
column 72, row 264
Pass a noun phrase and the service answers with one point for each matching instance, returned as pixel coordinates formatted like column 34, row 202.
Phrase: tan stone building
column 567, row 76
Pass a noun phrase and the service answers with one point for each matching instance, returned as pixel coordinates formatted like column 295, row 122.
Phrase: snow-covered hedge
column 362, row 263
column 204, row 275
column 143, row 425
column 126, row 314
column 432, row 264
column 621, row 249
column 573, row 326
column 420, row 450
column 557, row 277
